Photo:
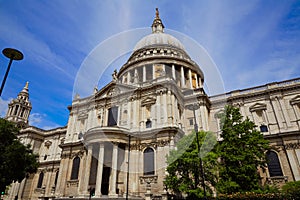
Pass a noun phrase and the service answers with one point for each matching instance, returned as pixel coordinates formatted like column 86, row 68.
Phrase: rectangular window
column 149, row 72
column 191, row 121
column 112, row 116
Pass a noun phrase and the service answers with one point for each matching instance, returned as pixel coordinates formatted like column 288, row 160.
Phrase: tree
column 16, row 159
column 242, row 152
column 184, row 165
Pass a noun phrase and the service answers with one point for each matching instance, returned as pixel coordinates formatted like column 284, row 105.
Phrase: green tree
column 242, row 152
column 184, row 174
column 16, row 160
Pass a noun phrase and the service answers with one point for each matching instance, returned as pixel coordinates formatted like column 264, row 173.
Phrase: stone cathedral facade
column 116, row 140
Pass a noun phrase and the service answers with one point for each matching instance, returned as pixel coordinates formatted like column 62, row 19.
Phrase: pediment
column 113, row 89
column 219, row 114
column 257, row 107
column 150, row 100
column 295, row 100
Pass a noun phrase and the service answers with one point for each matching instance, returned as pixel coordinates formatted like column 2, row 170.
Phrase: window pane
column 263, row 128
column 273, row 164
column 40, row 182
column 112, row 116
column 75, row 168
column 148, row 161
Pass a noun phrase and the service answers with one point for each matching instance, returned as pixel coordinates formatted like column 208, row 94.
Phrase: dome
column 158, row 39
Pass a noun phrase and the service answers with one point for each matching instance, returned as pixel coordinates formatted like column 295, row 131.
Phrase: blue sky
column 251, row 42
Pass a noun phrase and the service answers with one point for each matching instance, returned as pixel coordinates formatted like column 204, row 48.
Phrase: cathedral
column 116, row 141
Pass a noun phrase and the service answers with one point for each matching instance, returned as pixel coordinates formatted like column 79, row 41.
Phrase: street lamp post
column 12, row 54
column 195, row 107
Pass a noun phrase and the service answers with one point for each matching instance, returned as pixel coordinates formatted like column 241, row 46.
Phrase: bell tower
column 19, row 108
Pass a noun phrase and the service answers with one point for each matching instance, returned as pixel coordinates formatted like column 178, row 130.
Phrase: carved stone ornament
column 148, row 179
column 148, row 101
column 141, row 146
column 72, row 183
column 295, row 100
column 292, row 146
column 257, row 107
column 48, row 143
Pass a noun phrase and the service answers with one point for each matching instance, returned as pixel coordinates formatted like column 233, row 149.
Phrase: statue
column 114, row 75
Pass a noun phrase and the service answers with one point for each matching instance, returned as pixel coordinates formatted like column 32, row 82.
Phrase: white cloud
column 4, row 106
column 36, row 118
column 40, row 120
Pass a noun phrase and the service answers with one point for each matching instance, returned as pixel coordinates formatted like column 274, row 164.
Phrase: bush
column 292, row 189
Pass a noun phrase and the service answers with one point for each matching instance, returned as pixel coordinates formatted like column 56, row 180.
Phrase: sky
column 250, row 43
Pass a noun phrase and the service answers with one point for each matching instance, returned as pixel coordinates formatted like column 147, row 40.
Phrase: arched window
column 40, row 181
column 148, row 123
column 273, row 164
column 148, row 161
column 75, row 168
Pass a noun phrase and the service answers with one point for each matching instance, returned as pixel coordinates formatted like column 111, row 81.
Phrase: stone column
column 62, row 177
column 144, row 73
column 294, row 165
column 153, row 72
column 197, row 82
column 173, row 72
column 200, row 83
column 87, row 170
column 190, row 79
column 285, row 115
column 129, row 121
column 297, row 114
column 128, row 77
column 113, row 176
column 182, row 77
column 99, row 171
column 165, row 110
column 21, row 188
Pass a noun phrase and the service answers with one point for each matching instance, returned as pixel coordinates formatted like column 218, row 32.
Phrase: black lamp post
column 195, row 107
column 12, row 54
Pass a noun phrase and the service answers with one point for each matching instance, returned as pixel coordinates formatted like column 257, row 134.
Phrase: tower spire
column 19, row 108
column 157, row 25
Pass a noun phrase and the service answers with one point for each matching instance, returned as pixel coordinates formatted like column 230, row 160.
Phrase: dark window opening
column 263, row 128
column 45, row 157
column 148, row 161
column 148, row 123
column 16, row 109
column 112, row 116
column 105, row 180
column 40, row 181
column 22, row 113
column 75, row 168
column 56, row 178
column 149, row 72
column 191, row 122
column 273, row 164
column 169, row 72
column 80, row 136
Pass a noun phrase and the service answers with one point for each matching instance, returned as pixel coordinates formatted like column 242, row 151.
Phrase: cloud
column 4, row 106
column 36, row 118
column 40, row 120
